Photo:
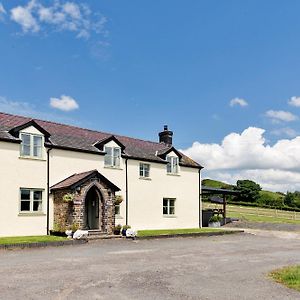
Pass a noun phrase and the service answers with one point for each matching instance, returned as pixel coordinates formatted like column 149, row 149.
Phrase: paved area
column 222, row 267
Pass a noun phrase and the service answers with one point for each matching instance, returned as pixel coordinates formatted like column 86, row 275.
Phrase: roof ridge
column 82, row 128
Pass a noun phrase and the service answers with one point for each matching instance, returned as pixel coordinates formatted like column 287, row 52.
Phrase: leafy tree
column 292, row 199
column 249, row 190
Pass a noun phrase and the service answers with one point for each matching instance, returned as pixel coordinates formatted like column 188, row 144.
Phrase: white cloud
column 72, row 9
column 26, row 109
column 23, row 16
column 294, row 101
column 65, row 103
column 238, row 101
column 286, row 131
column 2, row 12
column 67, row 16
column 16, row 107
column 248, row 156
column 280, row 115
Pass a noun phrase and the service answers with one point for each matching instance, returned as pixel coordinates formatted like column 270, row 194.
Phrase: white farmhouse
column 54, row 176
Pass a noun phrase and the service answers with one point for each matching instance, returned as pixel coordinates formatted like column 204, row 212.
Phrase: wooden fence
column 256, row 211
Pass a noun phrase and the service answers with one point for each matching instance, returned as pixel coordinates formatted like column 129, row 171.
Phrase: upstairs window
column 31, row 201
column 112, row 157
column 172, row 166
column 144, row 170
column 31, row 145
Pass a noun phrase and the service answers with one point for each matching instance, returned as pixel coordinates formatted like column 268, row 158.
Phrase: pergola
column 218, row 196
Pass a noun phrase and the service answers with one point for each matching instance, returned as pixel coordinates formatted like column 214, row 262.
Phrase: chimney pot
column 166, row 136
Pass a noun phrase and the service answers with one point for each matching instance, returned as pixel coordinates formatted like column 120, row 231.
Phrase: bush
column 215, row 219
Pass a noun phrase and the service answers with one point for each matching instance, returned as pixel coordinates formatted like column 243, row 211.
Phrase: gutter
column 48, row 190
column 200, row 200
column 126, row 188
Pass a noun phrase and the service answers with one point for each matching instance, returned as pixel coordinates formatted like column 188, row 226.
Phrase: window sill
column 30, row 214
column 173, row 174
column 113, row 168
column 145, row 178
column 169, row 216
column 32, row 158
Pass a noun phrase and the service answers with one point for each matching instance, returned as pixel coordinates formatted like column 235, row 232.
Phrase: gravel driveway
column 223, row 267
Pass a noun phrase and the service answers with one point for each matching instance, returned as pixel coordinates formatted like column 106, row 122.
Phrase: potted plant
column 118, row 199
column 117, row 229
column 68, row 198
column 214, row 221
column 124, row 228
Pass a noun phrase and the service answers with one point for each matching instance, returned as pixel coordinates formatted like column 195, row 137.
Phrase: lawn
column 267, row 219
column 289, row 276
column 178, row 231
column 30, row 239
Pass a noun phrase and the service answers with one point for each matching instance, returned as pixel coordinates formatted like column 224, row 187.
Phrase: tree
column 249, row 190
column 292, row 199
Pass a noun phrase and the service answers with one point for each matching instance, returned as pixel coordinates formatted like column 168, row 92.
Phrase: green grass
column 289, row 276
column 177, row 231
column 30, row 239
column 216, row 184
column 266, row 219
column 275, row 195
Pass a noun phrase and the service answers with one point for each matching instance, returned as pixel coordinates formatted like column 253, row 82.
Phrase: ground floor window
column 31, row 200
column 117, row 209
column 168, row 206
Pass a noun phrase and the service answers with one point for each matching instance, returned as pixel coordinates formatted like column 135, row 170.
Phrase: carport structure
column 218, row 196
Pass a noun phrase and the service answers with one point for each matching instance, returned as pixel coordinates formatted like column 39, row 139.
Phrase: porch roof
column 78, row 179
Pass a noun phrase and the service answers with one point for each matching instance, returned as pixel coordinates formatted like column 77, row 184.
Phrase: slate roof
column 80, row 139
column 79, row 178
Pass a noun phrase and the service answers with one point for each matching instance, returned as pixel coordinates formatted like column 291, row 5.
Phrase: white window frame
column 144, row 173
column 31, row 145
column 172, row 165
column 168, row 209
column 31, row 201
column 114, row 160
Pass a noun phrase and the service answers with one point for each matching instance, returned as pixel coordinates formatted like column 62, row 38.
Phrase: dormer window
column 112, row 156
column 31, row 145
column 172, row 166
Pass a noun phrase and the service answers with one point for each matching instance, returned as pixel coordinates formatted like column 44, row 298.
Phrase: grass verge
column 177, row 231
column 30, row 239
column 289, row 276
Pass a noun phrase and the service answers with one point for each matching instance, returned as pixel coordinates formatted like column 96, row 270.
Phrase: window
column 112, row 156
column 31, row 200
column 117, row 209
column 172, row 166
column 144, row 170
column 168, row 206
column 31, row 145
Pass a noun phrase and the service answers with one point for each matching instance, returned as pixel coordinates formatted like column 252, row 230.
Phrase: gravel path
column 222, row 267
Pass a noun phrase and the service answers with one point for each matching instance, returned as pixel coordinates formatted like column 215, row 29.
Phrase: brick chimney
column 166, row 136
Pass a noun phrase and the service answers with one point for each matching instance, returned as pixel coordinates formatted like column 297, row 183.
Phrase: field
column 257, row 214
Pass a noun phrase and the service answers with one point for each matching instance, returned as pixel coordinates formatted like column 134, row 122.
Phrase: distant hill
column 266, row 197
column 217, row 184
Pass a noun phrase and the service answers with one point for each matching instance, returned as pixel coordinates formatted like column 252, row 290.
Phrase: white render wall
column 16, row 172
column 145, row 196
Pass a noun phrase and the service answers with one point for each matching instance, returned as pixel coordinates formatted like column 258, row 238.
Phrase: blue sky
column 130, row 67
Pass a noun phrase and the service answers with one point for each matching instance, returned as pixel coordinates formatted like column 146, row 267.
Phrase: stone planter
column 214, row 224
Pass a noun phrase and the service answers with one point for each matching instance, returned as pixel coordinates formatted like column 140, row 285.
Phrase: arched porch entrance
column 93, row 208
column 85, row 201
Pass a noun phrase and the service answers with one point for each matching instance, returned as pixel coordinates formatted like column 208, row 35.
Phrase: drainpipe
column 126, row 188
column 200, row 200
column 48, row 189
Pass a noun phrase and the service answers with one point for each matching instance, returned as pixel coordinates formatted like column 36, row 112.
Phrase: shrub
column 215, row 219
